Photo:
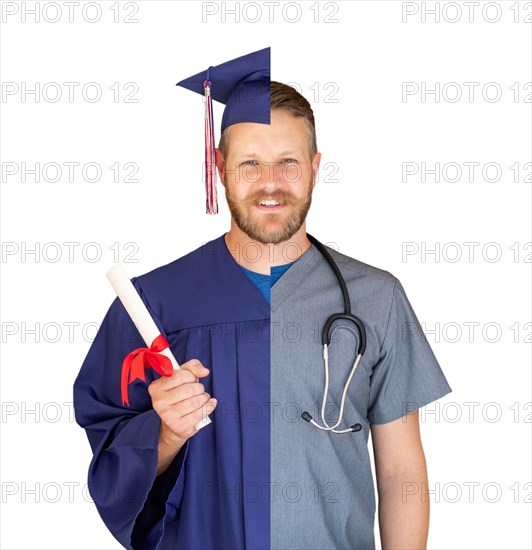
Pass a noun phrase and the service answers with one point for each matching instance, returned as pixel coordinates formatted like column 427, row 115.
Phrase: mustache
column 280, row 196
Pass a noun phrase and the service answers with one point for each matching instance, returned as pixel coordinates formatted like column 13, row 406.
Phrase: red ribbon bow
column 143, row 358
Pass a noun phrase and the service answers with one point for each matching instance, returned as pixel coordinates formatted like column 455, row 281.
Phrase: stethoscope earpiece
column 326, row 340
column 354, row 428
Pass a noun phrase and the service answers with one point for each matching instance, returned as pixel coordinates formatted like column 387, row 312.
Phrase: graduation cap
column 243, row 85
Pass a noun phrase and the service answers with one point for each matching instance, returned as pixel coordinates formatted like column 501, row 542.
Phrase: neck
column 260, row 257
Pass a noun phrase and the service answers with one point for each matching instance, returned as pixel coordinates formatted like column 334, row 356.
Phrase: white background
column 477, row 439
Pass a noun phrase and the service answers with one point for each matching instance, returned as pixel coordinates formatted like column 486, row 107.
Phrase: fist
column 180, row 400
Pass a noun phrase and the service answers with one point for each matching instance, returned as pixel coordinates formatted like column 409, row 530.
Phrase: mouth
column 269, row 206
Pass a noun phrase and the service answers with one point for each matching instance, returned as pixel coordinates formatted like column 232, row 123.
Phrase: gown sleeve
column 130, row 498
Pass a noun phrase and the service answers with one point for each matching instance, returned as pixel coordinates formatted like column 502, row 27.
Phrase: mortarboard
column 243, row 85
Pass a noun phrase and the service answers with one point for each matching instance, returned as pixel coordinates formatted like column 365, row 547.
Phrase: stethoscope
column 326, row 340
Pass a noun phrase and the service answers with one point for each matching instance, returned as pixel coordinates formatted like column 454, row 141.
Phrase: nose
column 263, row 173
column 269, row 174
column 277, row 175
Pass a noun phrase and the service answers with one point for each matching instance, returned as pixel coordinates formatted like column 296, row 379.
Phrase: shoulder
column 352, row 268
column 173, row 290
column 182, row 268
column 202, row 287
column 373, row 286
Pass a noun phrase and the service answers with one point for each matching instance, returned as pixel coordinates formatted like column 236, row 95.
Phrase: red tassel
column 210, row 153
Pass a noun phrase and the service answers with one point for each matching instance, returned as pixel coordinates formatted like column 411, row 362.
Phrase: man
column 260, row 476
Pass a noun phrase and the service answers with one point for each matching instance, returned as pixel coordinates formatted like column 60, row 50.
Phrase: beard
column 257, row 227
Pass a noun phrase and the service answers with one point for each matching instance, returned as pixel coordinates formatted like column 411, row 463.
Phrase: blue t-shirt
column 265, row 282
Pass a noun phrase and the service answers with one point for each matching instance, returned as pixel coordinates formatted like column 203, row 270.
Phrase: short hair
column 289, row 99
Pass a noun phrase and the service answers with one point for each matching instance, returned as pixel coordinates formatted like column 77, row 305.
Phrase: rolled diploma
column 140, row 315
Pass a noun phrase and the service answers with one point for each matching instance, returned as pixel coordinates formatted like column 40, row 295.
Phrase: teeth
column 269, row 203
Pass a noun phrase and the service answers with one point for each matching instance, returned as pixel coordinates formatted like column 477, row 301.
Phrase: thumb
column 196, row 368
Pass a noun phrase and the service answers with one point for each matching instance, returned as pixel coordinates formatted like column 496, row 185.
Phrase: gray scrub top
column 322, row 493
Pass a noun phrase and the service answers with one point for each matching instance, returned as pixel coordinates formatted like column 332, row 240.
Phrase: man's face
column 269, row 162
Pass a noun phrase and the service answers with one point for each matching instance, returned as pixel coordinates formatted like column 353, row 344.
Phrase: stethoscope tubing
column 326, row 340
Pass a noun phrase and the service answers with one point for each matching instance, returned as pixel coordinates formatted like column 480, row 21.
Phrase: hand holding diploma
column 176, row 425
column 183, row 385
column 180, row 400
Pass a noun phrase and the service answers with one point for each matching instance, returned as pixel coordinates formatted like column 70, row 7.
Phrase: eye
column 249, row 162
column 288, row 161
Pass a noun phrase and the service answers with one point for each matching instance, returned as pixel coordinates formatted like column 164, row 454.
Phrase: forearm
column 404, row 510
column 168, row 448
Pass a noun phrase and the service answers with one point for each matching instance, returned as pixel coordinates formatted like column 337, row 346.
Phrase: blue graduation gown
column 216, row 493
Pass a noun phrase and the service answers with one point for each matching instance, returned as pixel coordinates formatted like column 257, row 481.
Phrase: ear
column 315, row 167
column 220, row 165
